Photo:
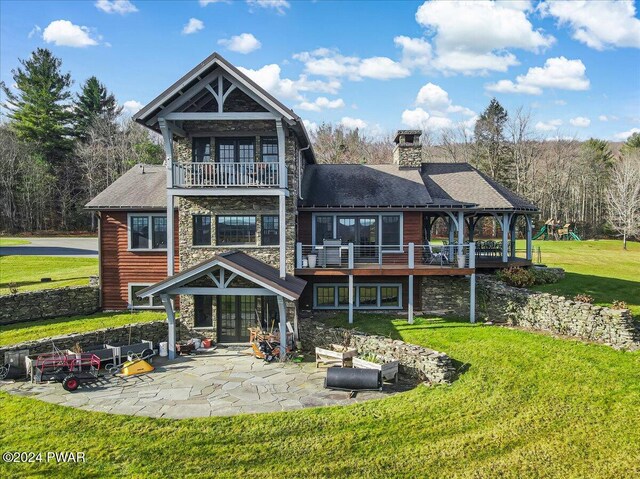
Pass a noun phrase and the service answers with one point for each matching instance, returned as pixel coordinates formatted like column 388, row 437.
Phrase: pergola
column 217, row 277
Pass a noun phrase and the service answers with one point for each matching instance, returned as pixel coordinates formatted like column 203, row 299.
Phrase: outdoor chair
column 432, row 257
column 331, row 252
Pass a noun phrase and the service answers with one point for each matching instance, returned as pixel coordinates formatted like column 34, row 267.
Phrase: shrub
column 619, row 305
column 583, row 298
column 518, row 277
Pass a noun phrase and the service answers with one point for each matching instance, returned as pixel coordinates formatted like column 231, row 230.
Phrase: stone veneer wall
column 49, row 303
column 557, row 314
column 237, row 205
column 415, row 361
column 445, row 295
column 155, row 331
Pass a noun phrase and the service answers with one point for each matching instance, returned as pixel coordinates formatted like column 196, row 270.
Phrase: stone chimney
column 408, row 151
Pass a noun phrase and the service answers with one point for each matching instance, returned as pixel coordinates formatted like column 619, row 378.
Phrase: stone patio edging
column 415, row 361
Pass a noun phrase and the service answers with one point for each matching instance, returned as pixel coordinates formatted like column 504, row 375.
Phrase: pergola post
column 282, row 234
column 460, row 232
column 505, row 237
column 451, row 230
column 171, row 320
column 282, row 312
column 472, row 283
column 529, row 228
column 512, row 234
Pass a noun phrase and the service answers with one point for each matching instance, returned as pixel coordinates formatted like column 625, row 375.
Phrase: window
column 235, row 150
column 270, row 231
column 391, row 232
column 366, row 296
column 324, row 228
column 361, row 230
column 201, row 230
column 235, row 230
column 201, row 151
column 147, row 231
column 142, row 303
column 269, row 153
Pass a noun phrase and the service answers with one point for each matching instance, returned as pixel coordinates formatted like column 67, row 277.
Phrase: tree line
column 593, row 184
column 58, row 149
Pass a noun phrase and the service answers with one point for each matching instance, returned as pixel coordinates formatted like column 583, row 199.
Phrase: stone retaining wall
column 556, row 314
column 49, row 303
column 415, row 361
column 155, row 331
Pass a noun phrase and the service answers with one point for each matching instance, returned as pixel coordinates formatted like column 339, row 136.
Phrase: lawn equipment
column 136, row 365
column 70, row 369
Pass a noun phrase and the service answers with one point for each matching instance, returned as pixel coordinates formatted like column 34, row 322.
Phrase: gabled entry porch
column 244, row 290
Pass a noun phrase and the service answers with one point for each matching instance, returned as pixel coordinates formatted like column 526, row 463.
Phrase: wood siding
column 119, row 267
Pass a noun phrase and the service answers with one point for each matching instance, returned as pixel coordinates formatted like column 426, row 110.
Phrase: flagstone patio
column 223, row 382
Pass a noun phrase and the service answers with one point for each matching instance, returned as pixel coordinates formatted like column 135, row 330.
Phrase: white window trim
column 356, row 296
column 149, row 299
column 359, row 213
column 150, row 239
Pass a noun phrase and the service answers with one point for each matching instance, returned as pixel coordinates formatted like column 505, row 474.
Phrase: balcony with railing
column 225, row 175
column 335, row 258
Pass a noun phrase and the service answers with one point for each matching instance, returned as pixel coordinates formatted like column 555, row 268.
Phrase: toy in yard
column 554, row 230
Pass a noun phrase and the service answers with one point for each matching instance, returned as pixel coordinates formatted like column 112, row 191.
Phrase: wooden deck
column 386, row 270
column 496, row 263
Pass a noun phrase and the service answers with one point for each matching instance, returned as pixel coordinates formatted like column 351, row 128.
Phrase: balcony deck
column 226, row 175
column 386, row 270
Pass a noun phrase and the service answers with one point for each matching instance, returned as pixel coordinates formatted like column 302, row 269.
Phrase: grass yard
column 13, row 241
column 26, row 272
column 528, row 406
column 601, row 269
column 16, row 333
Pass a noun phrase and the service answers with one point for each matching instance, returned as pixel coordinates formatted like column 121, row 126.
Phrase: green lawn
column 16, row 333
column 12, row 241
column 599, row 268
column 528, row 405
column 26, row 272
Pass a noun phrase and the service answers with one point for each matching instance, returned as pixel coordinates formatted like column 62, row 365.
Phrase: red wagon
column 69, row 368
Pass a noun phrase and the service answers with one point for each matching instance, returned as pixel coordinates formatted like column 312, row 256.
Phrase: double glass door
column 236, row 314
column 362, row 231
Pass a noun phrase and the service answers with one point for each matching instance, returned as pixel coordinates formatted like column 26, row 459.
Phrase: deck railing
column 212, row 175
column 350, row 256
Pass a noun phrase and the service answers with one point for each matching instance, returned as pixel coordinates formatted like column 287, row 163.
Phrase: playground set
column 556, row 231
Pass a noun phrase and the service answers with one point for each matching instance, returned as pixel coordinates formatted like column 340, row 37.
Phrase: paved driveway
column 218, row 383
column 55, row 246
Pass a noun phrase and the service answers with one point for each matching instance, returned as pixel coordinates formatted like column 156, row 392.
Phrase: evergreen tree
column 632, row 143
column 492, row 154
column 39, row 110
column 93, row 101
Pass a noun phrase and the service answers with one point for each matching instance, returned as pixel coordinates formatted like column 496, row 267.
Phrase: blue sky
column 376, row 65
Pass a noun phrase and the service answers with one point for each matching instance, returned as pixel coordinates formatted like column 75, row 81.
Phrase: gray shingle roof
column 142, row 187
column 462, row 182
column 363, row 186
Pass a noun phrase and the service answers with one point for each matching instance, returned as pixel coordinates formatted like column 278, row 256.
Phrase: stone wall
column 556, row 314
column 445, row 295
column 155, row 331
column 415, row 361
column 49, row 303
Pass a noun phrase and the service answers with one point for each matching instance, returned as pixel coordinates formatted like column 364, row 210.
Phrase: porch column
column 460, row 232
column 282, row 169
column 451, row 232
column 512, row 234
column 505, row 237
column 167, row 137
column 171, row 320
column 350, row 265
column 410, row 301
column 170, row 233
column 282, row 234
column 529, row 227
column 472, row 283
column 282, row 312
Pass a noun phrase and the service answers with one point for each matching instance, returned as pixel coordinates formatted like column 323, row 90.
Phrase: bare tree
column 623, row 197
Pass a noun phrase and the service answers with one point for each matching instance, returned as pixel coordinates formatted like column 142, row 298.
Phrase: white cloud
column 416, row 52
column 626, row 134
column 603, row 118
column 353, row 123
column 560, row 102
column 558, row 73
column 121, row 7
column 132, row 106
column 598, row 24
column 550, row 125
column 330, row 63
column 474, row 37
column 193, row 25
column 321, row 103
column 311, row 126
column 66, row 34
column 34, row 31
column 204, row 3
column 279, row 6
column 268, row 77
column 437, row 101
column 420, row 119
column 580, row 121
column 243, row 43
